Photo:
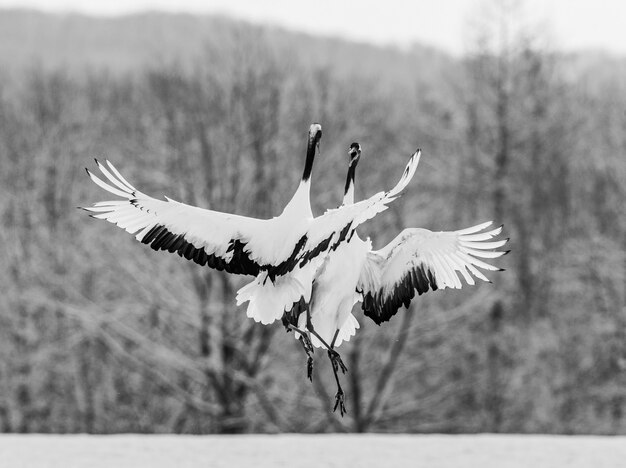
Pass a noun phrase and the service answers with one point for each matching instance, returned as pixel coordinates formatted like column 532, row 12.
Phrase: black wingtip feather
column 160, row 238
column 151, row 235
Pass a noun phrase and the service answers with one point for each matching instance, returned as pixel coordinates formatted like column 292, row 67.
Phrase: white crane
column 386, row 279
column 330, row 314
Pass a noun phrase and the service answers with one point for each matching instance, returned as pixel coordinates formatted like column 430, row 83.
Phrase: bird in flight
column 385, row 280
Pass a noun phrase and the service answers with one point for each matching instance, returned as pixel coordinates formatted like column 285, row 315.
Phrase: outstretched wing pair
column 416, row 260
column 229, row 242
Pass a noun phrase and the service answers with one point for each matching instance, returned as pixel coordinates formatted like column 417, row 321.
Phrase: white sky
column 572, row 24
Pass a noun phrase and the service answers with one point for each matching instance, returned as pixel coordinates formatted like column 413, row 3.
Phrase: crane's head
column 315, row 134
column 312, row 147
column 355, row 153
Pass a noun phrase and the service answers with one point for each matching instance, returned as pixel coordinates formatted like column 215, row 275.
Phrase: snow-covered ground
column 320, row 451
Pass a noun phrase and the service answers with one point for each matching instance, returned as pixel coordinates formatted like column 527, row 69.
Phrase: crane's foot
column 340, row 402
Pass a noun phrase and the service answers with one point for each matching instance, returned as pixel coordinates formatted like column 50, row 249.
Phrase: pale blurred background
column 519, row 108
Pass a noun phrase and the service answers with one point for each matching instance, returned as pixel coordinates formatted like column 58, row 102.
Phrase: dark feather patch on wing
column 381, row 307
column 321, row 247
column 342, row 236
column 324, row 245
column 287, row 265
column 159, row 238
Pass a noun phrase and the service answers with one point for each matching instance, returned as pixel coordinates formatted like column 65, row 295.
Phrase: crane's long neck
column 300, row 204
column 310, row 156
column 301, row 201
column 348, row 194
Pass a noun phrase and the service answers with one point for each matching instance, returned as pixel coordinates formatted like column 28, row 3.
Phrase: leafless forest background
column 101, row 334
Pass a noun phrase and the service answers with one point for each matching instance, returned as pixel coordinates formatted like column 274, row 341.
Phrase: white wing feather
column 212, row 231
column 419, row 260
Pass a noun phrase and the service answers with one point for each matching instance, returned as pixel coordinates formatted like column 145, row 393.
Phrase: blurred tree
column 99, row 334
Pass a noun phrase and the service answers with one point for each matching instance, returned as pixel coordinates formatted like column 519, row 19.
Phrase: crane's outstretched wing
column 236, row 244
column 207, row 237
column 419, row 260
column 336, row 225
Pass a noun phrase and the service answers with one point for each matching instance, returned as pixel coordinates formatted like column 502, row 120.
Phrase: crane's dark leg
column 290, row 322
column 336, row 362
column 332, row 354
column 339, row 396
column 305, row 341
